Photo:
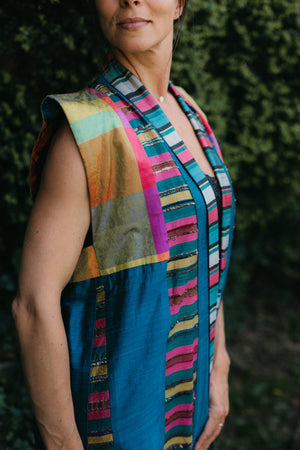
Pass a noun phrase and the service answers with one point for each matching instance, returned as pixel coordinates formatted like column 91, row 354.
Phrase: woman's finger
column 218, row 408
column 211, row 431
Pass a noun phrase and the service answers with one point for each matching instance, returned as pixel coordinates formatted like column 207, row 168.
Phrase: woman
column 119, row 307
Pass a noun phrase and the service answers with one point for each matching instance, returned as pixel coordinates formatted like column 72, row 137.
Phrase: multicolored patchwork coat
column 141, row 307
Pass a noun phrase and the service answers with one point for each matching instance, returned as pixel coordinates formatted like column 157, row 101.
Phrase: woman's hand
column 218, row 397
column 218, row 406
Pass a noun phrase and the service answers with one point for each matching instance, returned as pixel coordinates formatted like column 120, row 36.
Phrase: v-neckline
column 126, row 91
column 125, row 82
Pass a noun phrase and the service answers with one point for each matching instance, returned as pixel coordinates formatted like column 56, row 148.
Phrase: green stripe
column 93, row 126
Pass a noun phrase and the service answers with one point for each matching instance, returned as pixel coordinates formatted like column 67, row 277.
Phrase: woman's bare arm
column 219, row 399
column 55, row 235
column 221, row 357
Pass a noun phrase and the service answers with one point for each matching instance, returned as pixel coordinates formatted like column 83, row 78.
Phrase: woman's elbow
column 23, row 311
column 15, row 308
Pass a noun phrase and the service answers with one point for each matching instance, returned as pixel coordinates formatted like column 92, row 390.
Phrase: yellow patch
column 87, row 266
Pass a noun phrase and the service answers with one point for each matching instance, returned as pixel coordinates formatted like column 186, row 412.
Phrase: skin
column 52, row 245
column 60, row 220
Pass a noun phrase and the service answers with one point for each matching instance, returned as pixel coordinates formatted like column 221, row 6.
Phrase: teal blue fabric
column 78, row 306
column 78, row 312
column 137, row 327
column 137, row 314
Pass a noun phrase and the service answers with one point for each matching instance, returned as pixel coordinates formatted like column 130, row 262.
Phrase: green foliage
column 47, row 48
column 15, row 414
column 240, row 60
column 244, row 73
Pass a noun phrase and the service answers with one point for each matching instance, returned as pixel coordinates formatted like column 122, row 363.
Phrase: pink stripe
column 147, row 177
column 100, row 323
column 227, row 200
column 213, row 216
column 181, row 366
column 142, row 104
column 151, row 195
column 181, row 222
column 183, row 350
column 223, row 262
column 178, row 290
column 98, row 342
column 187, row 301
column 212, row 333
column 206, row 124
column 98, row 396
column 160, row 158
column 204, row 141
column 103, row 413
column 165, row 174
column 180, row 421
column 132, row 115
column 184, row 156
column 214, row 278
column 183, row 239
column 183, row 407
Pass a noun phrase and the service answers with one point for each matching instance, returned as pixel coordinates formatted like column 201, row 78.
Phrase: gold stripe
column 87, row 108
column 135, row 263
column 185, row 325
column 183, row 262
column 100, row 439
column 147, row 135
column 177, row 197
column 188, row 386
column 100, row 296
column 99, row 370
column 178, row 440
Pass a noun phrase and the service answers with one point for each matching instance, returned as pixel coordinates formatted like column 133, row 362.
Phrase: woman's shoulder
column 77, row 107
column 72, row 101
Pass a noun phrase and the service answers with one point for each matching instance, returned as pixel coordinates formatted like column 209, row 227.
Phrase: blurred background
column 241, row 61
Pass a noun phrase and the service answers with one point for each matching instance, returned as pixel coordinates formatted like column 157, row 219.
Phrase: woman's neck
column 152, row 69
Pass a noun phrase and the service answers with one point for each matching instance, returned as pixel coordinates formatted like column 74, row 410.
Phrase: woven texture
column 156, row 263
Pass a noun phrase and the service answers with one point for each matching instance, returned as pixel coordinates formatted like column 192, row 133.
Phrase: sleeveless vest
column 116, row 306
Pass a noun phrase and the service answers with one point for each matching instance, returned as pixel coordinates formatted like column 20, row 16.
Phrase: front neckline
column 124, row 89
column 125, row 82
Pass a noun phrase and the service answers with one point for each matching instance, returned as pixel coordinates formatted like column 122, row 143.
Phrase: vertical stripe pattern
column 99, row 420
column 153, row 213
column 181, row 221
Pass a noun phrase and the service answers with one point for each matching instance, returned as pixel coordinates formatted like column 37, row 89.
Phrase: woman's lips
column 134, row 23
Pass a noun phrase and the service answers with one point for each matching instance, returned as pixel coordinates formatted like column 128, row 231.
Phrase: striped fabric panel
column 227, row 200
column 213, row 152
column 125, row 196
column 182, row 345
column 180, row 219
column 176, row 144
column 181, row 222
column 99, row 421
